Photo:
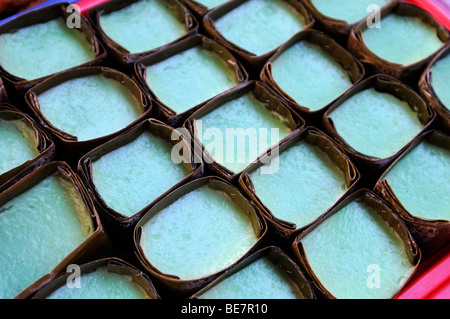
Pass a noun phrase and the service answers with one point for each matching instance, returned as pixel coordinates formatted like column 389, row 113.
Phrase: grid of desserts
column 222, row 149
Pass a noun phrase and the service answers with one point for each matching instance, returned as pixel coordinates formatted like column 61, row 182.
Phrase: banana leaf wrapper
column 196, row 8
column 19, row 85
column 3, row 93
column 339, row 29
column 430, row 234
column 352, row 65
column 286, row 231
column 173, row 283
column 191, row 161
column 70, row 147
column 428, row 93
column 97, row 241
column 163, row 111
column 45, row 147
column 252, row 61
column 112, row 265
column 385, row 212
column 120, row 55
column 278, row 257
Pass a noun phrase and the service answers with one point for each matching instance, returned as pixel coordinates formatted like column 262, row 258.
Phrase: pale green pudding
column 303, row 187
column 440, row 80
column 134, row 175
column 420, row 181
column 310, row 76
column 403, row 40
column 18, row 144
column 262, row 279
column 239, row 130
column 101, row 284
column 199, row 234
column 260, row 26
column 355, row 254
column 38, row 229
column 211, row 3
column 92, row 106
column 143, row 25
column 190, row 78
column 43, row 49
column 376, row 124
column 350, row 11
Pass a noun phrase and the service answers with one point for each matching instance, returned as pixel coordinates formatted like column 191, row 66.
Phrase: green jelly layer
column 18, row 144
column 310, row 76
column 199, row 234
column 303, row 187
column 101, row 284
column 143, row 26
column 93, row 106
column 348, row 11
column 262, row 279
column 356, row 255
column 403, row 40
column 190, row 78
column 134, row 175
column 239, row 130
column 376, row 124
column 420, row 181
column 260, row 26
column 43, row 49
column 38, row 229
